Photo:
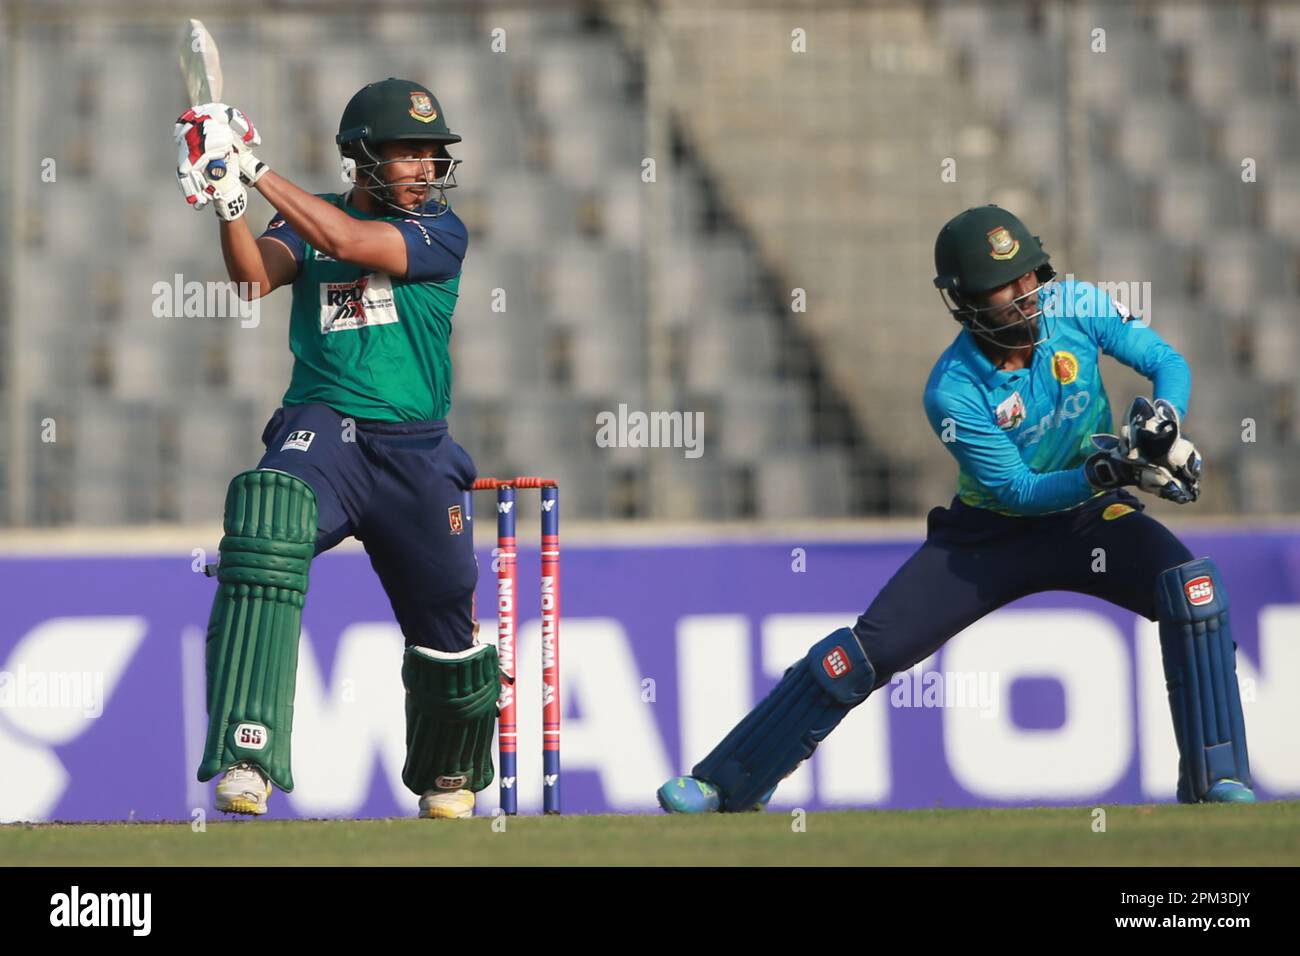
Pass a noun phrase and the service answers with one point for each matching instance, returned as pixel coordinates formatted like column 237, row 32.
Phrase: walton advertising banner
column 1057, row 699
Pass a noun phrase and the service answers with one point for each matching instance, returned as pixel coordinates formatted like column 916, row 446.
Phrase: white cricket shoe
column 244, row 788
column 447, row 805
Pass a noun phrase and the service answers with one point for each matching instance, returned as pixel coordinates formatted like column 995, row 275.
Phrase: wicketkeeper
column 1018, row 400
column 360, row 446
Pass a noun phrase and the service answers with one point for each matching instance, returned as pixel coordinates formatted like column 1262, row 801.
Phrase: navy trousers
column 975, row 561
column 397, row 488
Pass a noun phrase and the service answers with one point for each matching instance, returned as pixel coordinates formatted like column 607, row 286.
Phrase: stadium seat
column 1196, row 200
column 1154, row 133
column 1247, row 268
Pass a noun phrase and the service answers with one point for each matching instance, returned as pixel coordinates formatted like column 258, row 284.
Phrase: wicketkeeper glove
column 1116, row 465
column 1155, row 430
column 1149, row 453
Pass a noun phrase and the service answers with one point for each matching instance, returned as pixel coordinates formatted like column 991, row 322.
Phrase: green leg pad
column 451, row 711
column 252, row 651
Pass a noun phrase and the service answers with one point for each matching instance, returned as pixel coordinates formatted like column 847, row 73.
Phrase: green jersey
column 370, row 345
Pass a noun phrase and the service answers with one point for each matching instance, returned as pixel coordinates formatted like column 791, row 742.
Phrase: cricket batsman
column 1018, row 400
column 360, row 446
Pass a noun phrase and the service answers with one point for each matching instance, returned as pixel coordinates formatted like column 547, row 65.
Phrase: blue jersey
column 1021, row 437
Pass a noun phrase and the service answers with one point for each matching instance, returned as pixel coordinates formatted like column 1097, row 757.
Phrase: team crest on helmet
column 422, row 108
column 1005, row 246
column 1065, row 367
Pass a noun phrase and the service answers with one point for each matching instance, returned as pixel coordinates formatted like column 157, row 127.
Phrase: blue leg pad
column 788, row 724
column 1201, row 676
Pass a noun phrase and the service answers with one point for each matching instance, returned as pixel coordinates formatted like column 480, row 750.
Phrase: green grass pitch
column 1264, row 834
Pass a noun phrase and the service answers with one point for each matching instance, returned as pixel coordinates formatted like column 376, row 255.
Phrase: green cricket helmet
column 983, row 249
column 387, row 111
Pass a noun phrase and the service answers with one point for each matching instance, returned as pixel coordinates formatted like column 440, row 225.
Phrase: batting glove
column 203, row 137
column 214, row 133
column 229, row 195
column 251, row 169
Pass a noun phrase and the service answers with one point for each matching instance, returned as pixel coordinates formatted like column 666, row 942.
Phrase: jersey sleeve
column 987, row 454
column 1137, row 345
column 435, row 248
column 279, row 228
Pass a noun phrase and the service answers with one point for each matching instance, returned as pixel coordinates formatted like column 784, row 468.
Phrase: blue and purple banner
column 1056, row 700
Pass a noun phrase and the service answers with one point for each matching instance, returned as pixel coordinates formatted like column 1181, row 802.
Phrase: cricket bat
column 201, row 68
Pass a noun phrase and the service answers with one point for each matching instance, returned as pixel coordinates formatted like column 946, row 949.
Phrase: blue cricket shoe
column 1229, row 791
column 689, row 795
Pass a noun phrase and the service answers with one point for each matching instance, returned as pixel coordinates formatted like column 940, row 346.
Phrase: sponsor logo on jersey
column 1011, row 412
column 422, row 108
column 321, row 257
column 836, row 663
column 298, row 441
column 450, row 783
column 1004, row 245
column 1116, row 511
column 1199, row 590
column 1073, row 406
column 424, row 232
column 250, row 737
column 1065, row 367
column 353, row 305
column 455, row 519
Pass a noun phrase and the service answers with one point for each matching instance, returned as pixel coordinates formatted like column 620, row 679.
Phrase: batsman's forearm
column 244, row 262
column 321, row 225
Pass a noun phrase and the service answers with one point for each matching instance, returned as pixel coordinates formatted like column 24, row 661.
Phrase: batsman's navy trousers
column 397, row 488
column 975, row 561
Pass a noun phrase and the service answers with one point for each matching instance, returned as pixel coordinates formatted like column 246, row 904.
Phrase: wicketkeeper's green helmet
column 983, row 249
column 387, row 111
